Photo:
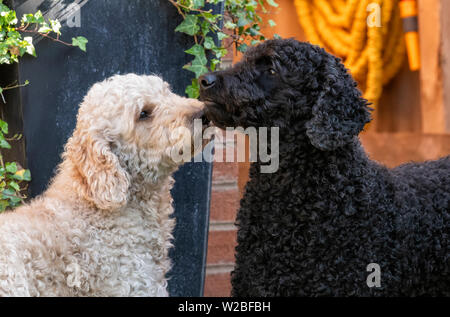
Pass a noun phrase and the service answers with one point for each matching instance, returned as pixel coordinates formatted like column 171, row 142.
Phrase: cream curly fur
column 103, row 227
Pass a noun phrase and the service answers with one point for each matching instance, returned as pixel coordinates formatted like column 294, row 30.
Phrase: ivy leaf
column 14, row 186
column 272, row 3
column 242, row 22
column 272, row 23
column 209, row 43
column 193, row 90
column 214, row 63
column 3, row 124
column 11, row 167
column 230, row 25
column 55, row 25
column 208, row 16
column 8, row 193
column 197, row 67
column 22, row 175
column 220, row 51
column 4, row 144
column 27, row 175
column 205, row 27
column 189, row 25
column 3, row 205
column 253, row 31
column 221, row 36
column 199, row 52
column 198, row 4
column 28, row 18
column 45, row 28
column 30, row 47
column 242, row 48
column 80, row 42
column 38, row 17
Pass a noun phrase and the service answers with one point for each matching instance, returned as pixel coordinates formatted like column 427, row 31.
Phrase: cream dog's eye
column 144, row 115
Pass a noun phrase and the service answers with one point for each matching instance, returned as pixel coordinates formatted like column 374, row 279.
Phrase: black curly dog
column 313, row 227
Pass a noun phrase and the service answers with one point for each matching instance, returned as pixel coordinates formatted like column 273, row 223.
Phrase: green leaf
column 11, row 167
column 230, row 25
column 272, row 3
column 22, row 175
column 14, row 186
column 253, row 32
column 30, row 47
column 211, row 18
column 221, row 36
column 80, row 42
column 220, row 51
column 242, row 48
column 45, row 28
column 205, row 27
column 200, row 59
column 38, row 17
column 189, row 25
column 55, row 25
column 27, row 175
column 7, row 193
column 214, row 63
column 14, row 201
column 3, row 205
column 242, row 22
column 28, row 18
column 276, row 36
column 197, row 4
column 197, row 68
column 196, row 50
column 4, row 144
column 193, row 90
column 209, row 43
column 272, row 23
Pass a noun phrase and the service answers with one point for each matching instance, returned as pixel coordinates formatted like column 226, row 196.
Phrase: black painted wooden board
column 124, row 36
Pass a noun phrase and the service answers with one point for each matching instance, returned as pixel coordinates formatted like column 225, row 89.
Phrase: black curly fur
column 311, row 228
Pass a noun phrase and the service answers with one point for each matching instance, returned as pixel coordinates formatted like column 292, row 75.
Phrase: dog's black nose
column 207, row 81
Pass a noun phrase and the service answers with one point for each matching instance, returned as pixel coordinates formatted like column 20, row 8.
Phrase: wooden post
column 434, row 32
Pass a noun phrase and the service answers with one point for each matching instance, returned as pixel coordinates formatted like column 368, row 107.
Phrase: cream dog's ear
column 103, row 181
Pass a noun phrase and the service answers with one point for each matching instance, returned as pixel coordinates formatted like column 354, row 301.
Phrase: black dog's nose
column 207, row 81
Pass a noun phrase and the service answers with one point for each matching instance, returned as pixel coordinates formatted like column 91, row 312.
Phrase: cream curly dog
column 103, row 227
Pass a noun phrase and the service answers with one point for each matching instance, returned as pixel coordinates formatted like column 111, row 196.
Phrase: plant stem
column 178, row 5
column 45, row 35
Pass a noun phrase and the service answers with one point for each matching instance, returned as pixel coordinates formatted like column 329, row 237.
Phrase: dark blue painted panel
column 124, row 36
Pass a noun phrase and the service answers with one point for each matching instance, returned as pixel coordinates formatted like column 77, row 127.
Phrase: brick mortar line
column 224, row 185
column 226, row 143
column 212, row 269
column 222, row 226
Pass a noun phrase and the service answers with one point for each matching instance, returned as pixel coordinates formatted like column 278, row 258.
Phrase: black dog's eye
column 144, row 115
column 272, row 71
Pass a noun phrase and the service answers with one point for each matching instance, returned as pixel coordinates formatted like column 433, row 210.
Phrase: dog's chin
column 217, row 114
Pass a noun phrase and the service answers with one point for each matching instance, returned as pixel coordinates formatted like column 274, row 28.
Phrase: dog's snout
column 207, row 81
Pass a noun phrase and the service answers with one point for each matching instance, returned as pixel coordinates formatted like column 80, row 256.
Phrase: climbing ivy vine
column 13, row 45
column 240, row 25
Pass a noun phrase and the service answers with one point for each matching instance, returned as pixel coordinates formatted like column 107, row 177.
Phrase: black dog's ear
column 340, row 112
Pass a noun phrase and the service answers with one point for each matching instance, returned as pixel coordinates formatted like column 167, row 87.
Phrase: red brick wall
column 222, row 232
